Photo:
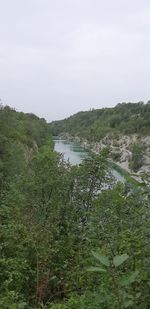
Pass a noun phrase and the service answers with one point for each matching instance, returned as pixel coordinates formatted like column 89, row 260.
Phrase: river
column 75, row 154
column 72, row 151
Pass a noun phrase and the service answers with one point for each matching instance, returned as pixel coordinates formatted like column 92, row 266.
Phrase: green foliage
column 119, row 259
column 102, row 258
column 120, row 297
column 125, row 118
column 53, row 216
column 126, row 280
column 137, row 156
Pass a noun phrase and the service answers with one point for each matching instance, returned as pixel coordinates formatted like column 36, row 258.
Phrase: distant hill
column 125, row 118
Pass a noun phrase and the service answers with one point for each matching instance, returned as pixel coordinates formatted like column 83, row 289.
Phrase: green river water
column 74, row 153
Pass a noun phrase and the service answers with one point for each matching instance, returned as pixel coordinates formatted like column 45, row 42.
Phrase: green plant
column 117, row 282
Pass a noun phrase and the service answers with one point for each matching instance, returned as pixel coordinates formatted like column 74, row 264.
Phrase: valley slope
column 124, row 129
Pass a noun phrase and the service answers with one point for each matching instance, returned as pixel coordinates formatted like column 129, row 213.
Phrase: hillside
column 69, row 235
column 21, row 127
column 125, row 118
column 125, row 129
column 21, row 135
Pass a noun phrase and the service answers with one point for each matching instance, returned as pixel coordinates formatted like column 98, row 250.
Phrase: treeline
column 70, row 237
column 21, row 127
column 125, row 118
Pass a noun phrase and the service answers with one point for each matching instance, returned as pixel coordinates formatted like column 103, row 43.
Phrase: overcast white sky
column 58, row 57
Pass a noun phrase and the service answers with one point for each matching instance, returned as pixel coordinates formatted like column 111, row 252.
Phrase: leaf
column 96, row 269
column 138, row 295
column 127, row 280
column 128, row 303
column 22, row 305
column 101, row 258
column 120, row 259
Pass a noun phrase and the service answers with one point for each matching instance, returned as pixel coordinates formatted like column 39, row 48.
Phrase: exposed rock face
column 120, row 149
column 30, row 151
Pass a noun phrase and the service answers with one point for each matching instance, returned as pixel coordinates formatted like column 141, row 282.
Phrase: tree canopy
column 125, row 118
column 70, row 237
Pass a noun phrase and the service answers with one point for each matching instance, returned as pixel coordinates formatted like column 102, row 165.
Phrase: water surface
column 75, row 154
column 71, row 151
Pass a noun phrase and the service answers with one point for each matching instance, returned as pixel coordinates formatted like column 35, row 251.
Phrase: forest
column 71, row 236
column 124, row 118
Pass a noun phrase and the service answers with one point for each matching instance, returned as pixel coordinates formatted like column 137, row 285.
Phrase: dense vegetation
column 130, row 118
column 70, row 236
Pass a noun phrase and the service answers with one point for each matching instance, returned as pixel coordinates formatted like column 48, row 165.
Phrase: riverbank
column 127, row 176
column 119, row 146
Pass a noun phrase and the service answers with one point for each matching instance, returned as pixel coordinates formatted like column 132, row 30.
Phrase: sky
column 58, row 57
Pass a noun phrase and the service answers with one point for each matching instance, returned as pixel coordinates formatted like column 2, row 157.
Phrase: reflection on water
column 72, row 152
column 118, row 176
